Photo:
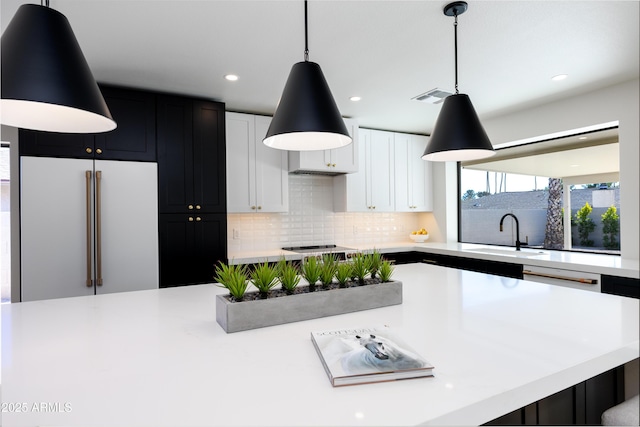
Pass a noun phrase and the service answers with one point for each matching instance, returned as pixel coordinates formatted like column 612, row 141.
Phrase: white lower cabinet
column 371, row 189
column 257, row 175
column 413, row 178
column 330, row 162
column 87, row 227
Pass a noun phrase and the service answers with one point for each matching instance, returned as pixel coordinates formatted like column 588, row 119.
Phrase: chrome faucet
column 517, row 228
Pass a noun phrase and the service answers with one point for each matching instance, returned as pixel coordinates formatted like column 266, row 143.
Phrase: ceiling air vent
column 434, row 96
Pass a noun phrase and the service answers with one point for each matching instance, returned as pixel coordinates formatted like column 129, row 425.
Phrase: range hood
column 315, row 172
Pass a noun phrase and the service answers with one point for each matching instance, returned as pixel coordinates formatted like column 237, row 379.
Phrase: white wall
column 615, row 103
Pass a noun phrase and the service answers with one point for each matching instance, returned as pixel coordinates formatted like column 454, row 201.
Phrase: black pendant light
column 46, row 82
column 307, row 117
column 458, row 134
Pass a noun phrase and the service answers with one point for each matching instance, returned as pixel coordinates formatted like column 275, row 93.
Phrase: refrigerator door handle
column 98, row 228
column 87, row 176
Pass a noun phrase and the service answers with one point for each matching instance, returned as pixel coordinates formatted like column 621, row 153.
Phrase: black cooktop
column 316, row 249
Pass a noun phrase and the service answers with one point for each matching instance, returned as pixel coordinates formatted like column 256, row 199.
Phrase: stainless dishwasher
column 561, row 277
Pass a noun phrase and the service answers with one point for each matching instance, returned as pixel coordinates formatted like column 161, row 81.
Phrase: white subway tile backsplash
column 311, row 221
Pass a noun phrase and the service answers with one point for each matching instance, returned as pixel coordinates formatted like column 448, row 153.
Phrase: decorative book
column 367, row 355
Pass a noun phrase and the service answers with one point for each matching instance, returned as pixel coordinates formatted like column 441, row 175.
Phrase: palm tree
column 554, row 230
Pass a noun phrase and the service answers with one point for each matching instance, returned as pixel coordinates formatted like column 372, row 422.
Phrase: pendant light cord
column 306, row 34
column 455, row 43
column 44, row 3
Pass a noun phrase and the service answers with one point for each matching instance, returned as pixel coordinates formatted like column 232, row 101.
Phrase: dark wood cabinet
column 133, row 139
column 622, row 286
column 582, row 404
column 190, row 247
column 498, row 268
column 191, row 155
column 192, row 189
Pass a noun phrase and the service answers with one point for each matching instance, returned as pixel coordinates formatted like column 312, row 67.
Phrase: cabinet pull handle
column 190, row 207
column 555, row 276
column 328, row 165
column 88, row 150
column 333, row 165
column 198, row 207
column 87, row 175
column 190, row 219
column 99, row 228
column 259, row 207
column 198, row 219
column 253, row 208
column 99, row 150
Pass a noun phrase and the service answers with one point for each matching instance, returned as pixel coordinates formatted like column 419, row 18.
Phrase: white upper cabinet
column 331, row 162
column 257, row 179
column 413, row 178
column 371, row 189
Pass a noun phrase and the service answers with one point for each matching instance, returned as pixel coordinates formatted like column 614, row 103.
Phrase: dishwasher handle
column 555, row 276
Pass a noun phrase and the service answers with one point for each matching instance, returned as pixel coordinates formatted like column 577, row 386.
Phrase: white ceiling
column 384, row 51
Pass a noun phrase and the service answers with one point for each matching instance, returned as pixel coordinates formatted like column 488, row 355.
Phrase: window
column 546, row 185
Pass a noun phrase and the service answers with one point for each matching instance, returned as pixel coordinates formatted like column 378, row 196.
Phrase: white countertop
column 159, row 358
column 579, row 261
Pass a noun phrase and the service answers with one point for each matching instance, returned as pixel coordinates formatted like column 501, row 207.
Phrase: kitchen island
column 159, row 358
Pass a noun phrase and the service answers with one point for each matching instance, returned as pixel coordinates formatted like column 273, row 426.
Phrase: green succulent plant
column 328, row 269
column 233, row 278
column 386, row 270
column 311, row 271
column 374, row 260
column 360, row 267
column 288, row 275
column 264, row 277
column 343, row 273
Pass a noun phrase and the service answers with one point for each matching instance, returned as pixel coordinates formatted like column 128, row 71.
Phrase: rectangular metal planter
column 241, row 316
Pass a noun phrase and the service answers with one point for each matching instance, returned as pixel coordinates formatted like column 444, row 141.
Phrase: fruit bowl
column 419, row 238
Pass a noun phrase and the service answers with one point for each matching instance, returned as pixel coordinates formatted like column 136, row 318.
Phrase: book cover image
column 359, row 355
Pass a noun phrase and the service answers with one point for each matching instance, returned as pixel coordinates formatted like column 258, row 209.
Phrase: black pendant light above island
column 307, row 117
column 458, row 134
column 46, row 82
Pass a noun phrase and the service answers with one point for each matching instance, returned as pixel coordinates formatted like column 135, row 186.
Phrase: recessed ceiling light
column 559, row 77
column 355, row 98
column 231, row 77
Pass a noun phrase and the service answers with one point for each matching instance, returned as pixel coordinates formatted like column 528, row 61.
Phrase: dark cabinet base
column 582, row 404
column 623, row 286
column 504, row 269
column 190, row 247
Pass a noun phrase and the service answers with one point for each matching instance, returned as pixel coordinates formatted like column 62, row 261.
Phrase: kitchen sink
column 509, row 252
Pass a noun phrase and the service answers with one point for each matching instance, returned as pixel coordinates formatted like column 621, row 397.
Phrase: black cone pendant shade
column 458, row 134
column 46, row 81
column 307, row 117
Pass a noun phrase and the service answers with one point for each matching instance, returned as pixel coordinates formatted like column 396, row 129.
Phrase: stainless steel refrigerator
column 87, row 227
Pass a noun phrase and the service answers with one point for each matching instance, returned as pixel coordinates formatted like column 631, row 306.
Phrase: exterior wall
column 483, row 226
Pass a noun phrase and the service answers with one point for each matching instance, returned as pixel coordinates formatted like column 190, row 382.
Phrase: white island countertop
column 159, row 358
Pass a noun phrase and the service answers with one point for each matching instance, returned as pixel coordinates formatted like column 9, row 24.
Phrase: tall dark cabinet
column 192, row 189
